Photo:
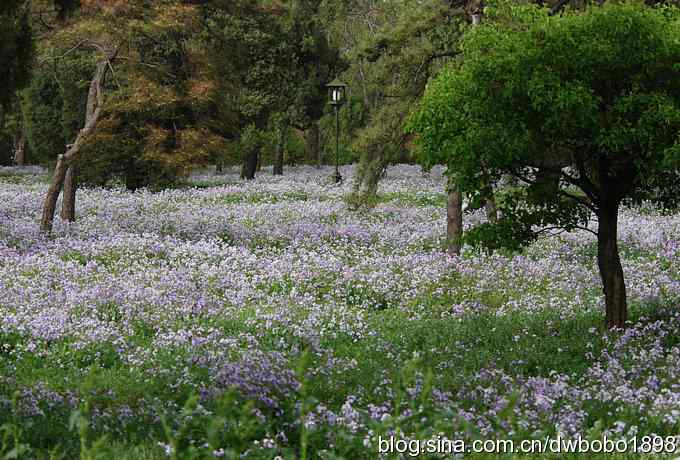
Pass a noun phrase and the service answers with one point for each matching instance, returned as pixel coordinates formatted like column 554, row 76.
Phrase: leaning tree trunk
column 609, row 263
column 95, row 101
column 68, row 203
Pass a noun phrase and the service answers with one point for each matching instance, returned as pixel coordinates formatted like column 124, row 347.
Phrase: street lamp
column 337, row 93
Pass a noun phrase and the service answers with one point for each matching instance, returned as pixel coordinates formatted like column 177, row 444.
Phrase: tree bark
column 318, row 146
column 250, row 164
column 312, row 145
column 50, row 204
column 609, row 263
column 454, row 222
column 454, row 205
column 68, row 204
column 20, row 148
column 280, row 146
column 95, row 102
column 491, row 209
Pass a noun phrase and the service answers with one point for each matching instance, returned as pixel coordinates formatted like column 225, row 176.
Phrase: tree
column 314, row 63
column 280, row 125
column 248, row 47
column 162, row 113
column 276, row 59
column 395, row 49
column 581, row 110
column 41, row 107
column 64, row 173
column 16, row 49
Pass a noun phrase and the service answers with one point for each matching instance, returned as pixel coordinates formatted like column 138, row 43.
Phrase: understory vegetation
column 265, row 319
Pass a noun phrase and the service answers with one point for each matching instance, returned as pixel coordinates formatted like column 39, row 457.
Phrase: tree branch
column 586, row 229
column 55, row 58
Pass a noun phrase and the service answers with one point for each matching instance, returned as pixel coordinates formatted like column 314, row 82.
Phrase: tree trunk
column 20, row 148
column 454, row 206
column 312, row 145
column 68, row 203
column 219, row 168
column 318, row 147
column 135, row 177
column 95, row 102
column 280, row 146
column 50, row 203
column 491, row 209
column 454, row 222
column 250, row 164
column 609, row 263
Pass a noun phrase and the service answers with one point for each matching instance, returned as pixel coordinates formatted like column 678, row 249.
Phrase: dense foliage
column 582, row 109
column 16, row 48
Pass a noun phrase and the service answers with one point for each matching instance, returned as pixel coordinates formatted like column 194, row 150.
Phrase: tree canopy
column 16, row 48
column 581, row 110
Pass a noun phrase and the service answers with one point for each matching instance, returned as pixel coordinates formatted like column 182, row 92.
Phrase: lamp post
column 337, row 93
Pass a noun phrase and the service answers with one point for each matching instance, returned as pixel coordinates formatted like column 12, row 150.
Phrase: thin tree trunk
column 20, row 148
column 219, row 167
column 95, row 102
column 454, row 205
column 50, row 204
column 318, row 146
column 280, row 146
column 68, row 203
column 454, row 222
column 609, row 263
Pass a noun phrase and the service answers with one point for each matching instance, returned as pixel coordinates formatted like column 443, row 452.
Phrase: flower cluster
column 230, row 284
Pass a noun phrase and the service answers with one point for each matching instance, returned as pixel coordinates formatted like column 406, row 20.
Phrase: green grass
column 526, row 344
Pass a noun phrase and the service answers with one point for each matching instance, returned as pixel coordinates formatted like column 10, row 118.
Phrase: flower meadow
column 268, row 320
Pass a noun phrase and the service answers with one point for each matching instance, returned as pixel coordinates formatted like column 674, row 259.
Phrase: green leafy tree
column 161, row 117
column 41, row 105
column 16, row 48
column 314, row 63
column 53, row 105
column 248, row 48
column 581, row 110
column 275, row 59
column 392, row 58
